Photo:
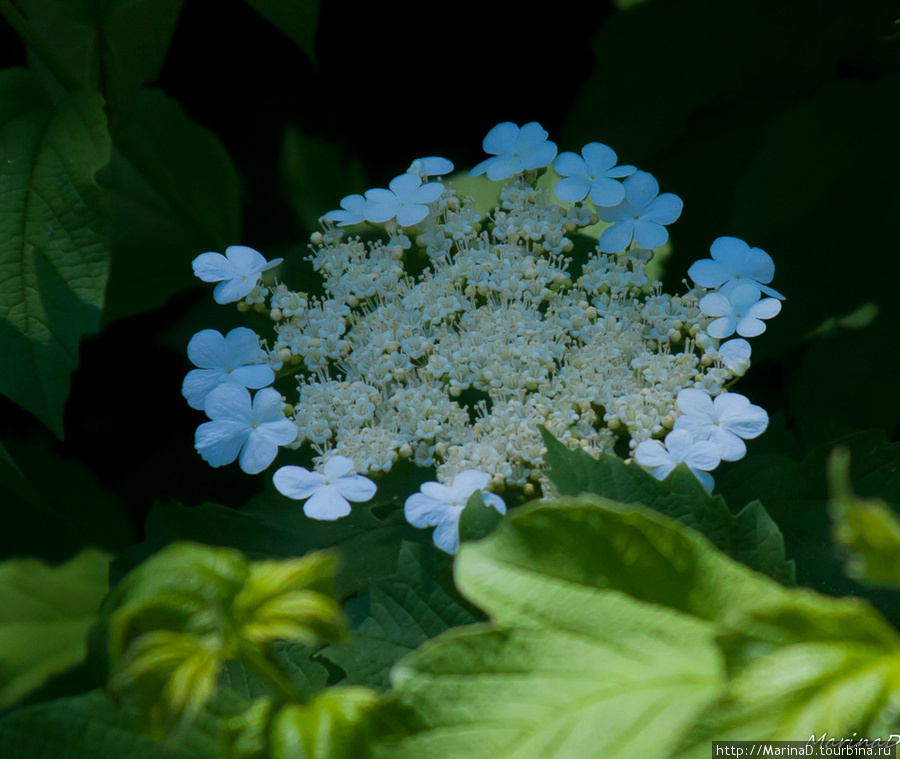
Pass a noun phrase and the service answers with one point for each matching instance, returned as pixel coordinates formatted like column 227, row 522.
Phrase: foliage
column 153, row 607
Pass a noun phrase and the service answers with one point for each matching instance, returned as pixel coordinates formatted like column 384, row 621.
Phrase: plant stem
column 40, row 48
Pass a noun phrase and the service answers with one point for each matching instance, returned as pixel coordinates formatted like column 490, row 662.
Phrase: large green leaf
column 400, row 613
column 111, row 46
column 45, row 614
column 573, row 666
column 93, row 727
column 53, row 257
column 616, row 630
column 173, row 194
column 750, row 536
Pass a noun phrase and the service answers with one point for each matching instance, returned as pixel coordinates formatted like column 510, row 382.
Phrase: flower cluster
column 455, row 337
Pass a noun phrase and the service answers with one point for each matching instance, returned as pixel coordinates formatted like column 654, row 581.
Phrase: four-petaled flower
column 593, row 173
column 735, row 261
column 514, row 150
column 352, row 211
column 698, row 455
column 233, row 358
column 739, row 309
column 735, row 354
column 240, row 429
column 726, row 420
column 441, row 506
column 327, row 494
column 641, row 216
column 237, row 272
column 406, row 199
column 431, row 166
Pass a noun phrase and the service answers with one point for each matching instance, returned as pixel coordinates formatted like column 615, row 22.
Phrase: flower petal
column 422, row 510
column 297, row 482
column 208, row 349
column 356, row 487
column 213, row 267
column 616, row 237
column 326, row 504
column 501, row 139
column 599, row 157
column 572, row 189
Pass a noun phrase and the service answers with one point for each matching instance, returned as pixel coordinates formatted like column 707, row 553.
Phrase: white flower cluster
column 453, row 339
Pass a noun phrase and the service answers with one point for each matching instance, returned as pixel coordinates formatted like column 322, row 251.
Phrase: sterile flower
column 352, row 211
column 441, row 506
column 700, row 456
column 739, row 310
column 641, row 216
column 735, row 354
column 735, row 261
column 406, row 199
column 726, row 420
column 591, row 173
column 232, row 358
column 432, row 166
column 515, row 150
column 329, row 493
column 240, row 429
column 237, row 272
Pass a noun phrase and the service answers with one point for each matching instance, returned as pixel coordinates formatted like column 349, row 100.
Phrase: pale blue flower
column 515, row 150
column 352, row 211
column 726, row 420
column 442, row 505
column 327, row 494
column 642, row 216
column 240, row 429
column 593, row 173
column 431, row 166
column 733, row 261
column 738, row 309
column 406, row 199
column 700, row 456
column 237, row 272
column 232, row 358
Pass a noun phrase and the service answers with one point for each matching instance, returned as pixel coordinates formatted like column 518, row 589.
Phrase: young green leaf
column 867, row 528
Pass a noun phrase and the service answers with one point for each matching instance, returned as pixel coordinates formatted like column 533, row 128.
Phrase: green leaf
column 868, row 529
column 290, row 599
column 92, row 727
column 315, row 174
column 750, row 536
column 45, row 614
column 802, row 666
column 272, row 526
column 574, row 665
column 333, row 725
column 477, row 519
column 616, row 630
column 111, row 46
column 401, row 612
column 296, row 18
column 53, row 258
column 796, row 494
column 173, row 194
